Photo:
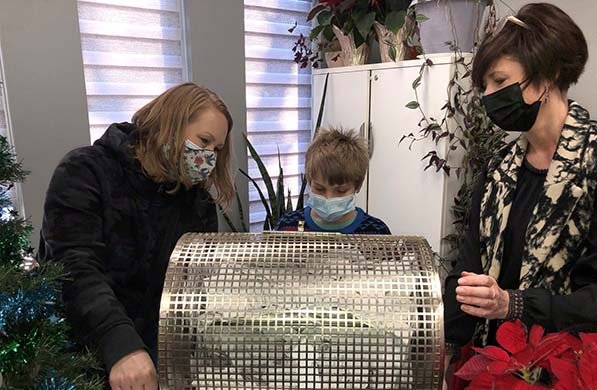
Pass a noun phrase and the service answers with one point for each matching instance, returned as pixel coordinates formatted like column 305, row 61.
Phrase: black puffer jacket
column 114, row 229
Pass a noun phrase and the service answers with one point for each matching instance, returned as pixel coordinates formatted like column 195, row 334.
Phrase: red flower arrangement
column 533, row 360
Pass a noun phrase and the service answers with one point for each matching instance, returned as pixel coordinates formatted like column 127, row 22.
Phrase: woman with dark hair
column 531, row 249
column 115, row 210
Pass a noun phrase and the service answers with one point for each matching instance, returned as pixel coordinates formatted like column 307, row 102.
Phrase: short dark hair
column 338, row 157
column 552, row 48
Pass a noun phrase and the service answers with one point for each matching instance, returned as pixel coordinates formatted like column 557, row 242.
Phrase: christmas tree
column 35, row 350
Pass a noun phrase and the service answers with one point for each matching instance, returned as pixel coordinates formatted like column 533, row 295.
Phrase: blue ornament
column 26, row 306
column 54, row 382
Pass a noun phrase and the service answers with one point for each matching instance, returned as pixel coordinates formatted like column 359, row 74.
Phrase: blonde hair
column 163, row 122
column 337, row 157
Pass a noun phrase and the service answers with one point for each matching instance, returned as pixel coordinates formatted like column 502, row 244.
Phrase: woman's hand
column 134, row 371
column 481, row 296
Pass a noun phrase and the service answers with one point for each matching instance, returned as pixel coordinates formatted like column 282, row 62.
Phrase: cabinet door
column 409, row 199
column 346, row 107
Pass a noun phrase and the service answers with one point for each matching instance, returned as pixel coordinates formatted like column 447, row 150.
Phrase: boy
column 335, row 167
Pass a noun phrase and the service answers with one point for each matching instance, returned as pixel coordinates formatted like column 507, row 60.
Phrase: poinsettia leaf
column 589, row 339
column 494, row 353
column 510, row 382
column 395, row 21
column 473, row 367
column 315, row 32
column 328, row 33
column 364, row 25
column 587, row 366
column 482, row 381
column 512, row 336
column 565, row 372
column 498, row 367
column 324, row 17
column 536, row 334
column 315, row 11
column 552, row 345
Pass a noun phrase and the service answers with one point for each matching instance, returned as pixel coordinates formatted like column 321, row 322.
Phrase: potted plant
column 451, row 21
column 533, row 360
column 349, row 22
column 394, row 24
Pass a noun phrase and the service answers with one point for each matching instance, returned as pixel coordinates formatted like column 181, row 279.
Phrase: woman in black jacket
column 115, row 210
column 531, row 249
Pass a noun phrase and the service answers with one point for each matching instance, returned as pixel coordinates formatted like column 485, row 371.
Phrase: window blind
column 278, row 94
column 133, row 50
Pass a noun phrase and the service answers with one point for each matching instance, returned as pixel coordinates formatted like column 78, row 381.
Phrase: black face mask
column 509, row 111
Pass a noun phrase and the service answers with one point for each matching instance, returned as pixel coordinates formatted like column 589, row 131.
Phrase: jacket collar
column 563, row 188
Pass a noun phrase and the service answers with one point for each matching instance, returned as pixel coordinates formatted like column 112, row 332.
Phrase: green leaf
column 228, row 220
column 315, row 11
column 264, row 201
column 395, row 21
column 328, row 33
column 417, row 82
column 324, row 17
column 420, row 18
column 289, row 203
column 322, row 105
column 279, row 192
column 413, row 105
column 267, row 180
column 364, row 24
column 301, row 199
column 392, row 53
column 315, row 32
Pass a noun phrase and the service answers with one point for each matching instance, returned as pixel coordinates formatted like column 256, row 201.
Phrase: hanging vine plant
column 464, row 125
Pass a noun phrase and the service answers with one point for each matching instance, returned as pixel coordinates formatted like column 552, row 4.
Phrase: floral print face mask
column 199, row 162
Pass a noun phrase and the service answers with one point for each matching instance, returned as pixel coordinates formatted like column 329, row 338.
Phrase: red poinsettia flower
column 532, row 351
column 518, row 365
column 577, row 370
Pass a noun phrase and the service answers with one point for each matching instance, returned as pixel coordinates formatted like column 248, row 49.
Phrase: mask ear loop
column 544, row 94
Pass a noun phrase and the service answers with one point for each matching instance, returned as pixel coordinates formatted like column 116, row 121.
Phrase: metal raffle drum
column 300, row 311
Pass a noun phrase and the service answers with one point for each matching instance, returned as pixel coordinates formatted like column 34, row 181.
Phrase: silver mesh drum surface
column 300, row 311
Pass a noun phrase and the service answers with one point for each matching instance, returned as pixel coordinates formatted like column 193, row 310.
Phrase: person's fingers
column 475, row 311
column 479, row 302
column 476, row 280
column 476, row 292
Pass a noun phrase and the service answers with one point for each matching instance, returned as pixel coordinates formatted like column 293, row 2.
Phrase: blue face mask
column 332, row 209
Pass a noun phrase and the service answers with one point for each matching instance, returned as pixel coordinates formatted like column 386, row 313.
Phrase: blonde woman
column 114, row 212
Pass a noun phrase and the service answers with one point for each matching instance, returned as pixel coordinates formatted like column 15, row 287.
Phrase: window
column 278, row 94
column 13, row 193
column 133, row 50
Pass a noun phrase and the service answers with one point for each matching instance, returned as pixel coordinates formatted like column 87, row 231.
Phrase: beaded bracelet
column 515, row 306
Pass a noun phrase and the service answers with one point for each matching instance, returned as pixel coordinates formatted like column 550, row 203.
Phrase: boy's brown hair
column 337, row 157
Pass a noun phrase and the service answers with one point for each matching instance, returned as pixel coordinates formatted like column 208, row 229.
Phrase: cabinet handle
column 370, row 141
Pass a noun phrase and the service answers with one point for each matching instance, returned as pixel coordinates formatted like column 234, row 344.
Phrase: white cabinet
column 346, row 107
column 409, row 199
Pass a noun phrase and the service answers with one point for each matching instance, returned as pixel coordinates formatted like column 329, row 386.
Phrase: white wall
column 216, row 41
column 584, row 13
column 41, row 53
